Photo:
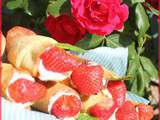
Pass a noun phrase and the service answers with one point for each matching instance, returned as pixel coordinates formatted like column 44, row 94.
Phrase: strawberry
column 127, row 112
column 104, row 109
column 66, row 106
column 145, row 112
column 58, row 60
column 23, row 90
column 87, row 79
column 118, row 91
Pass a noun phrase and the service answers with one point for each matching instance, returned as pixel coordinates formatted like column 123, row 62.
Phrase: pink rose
column 64, row 29
column 100, row 16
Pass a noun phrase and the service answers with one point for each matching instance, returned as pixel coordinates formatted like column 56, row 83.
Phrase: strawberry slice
column 104, row 109
column 118, row 91
column 127, row 112
column 145, row 112
column 23, row 90
column 58, row 60
column 66, row 106
column 87, row 79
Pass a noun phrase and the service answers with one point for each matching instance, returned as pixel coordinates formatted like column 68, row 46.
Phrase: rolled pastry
column 60, row 101
column 24, row 52
column 19, row 86
column 3, row 43
column 39, row 55
column 17, row 32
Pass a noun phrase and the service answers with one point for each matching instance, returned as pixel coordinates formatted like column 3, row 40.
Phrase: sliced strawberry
column 87, row 79
column 127, row 112
column 118, row 91
column 145, row 112
column 104, row 109
column 66, row 106
column 19, row 31
column 23, row 91
column 58, row 60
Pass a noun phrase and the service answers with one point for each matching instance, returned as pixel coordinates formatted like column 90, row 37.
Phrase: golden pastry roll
column 19, row 86
column 24, row 52
column 16, row 32
column 3, row 43
column 60, row 101
column 39, row 55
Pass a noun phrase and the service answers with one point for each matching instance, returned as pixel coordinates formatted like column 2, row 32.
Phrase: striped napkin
column 114, row 59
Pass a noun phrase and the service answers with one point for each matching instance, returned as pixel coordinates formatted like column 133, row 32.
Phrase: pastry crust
column 3, row 43
column 7, row 73
column 24, row 52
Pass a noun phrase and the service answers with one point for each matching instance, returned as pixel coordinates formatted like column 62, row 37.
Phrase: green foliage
column 70, row 47
column 29, row 6
column 58, row 7
column 118, row 40
column 85, row 116
column 141, row 19
column 90, row 41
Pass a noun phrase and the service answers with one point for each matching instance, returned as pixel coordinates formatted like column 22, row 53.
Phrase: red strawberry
column 104, row 109
column 145, row 112
column 127, row 112
column 66, row 106
column 87, row 79
column 118, row 91
column 58, row 60
column 24, row 91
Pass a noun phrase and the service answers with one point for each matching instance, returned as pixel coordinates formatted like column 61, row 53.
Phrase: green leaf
column 70, row 47
column 141, row 81
column 142, row 20
column 14, row 4
column 132, row 2
column 118, row 40
column 90, row 41
column 133, row 66
column 85, row 116
column 134, row 86
column 55, row 6
column 132, row 52
column 149, row 68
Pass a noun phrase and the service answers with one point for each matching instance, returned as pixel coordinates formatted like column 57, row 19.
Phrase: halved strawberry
column 127, row 112
column 145, row 112
column 23, row 90
column 66, row 106
column 58, row 60
column 118, row 91
column 87, row 79
column 104, row 109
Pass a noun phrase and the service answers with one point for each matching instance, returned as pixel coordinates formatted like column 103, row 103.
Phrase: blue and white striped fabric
column 135, row 98
column 114, row 60
column 11, row 111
